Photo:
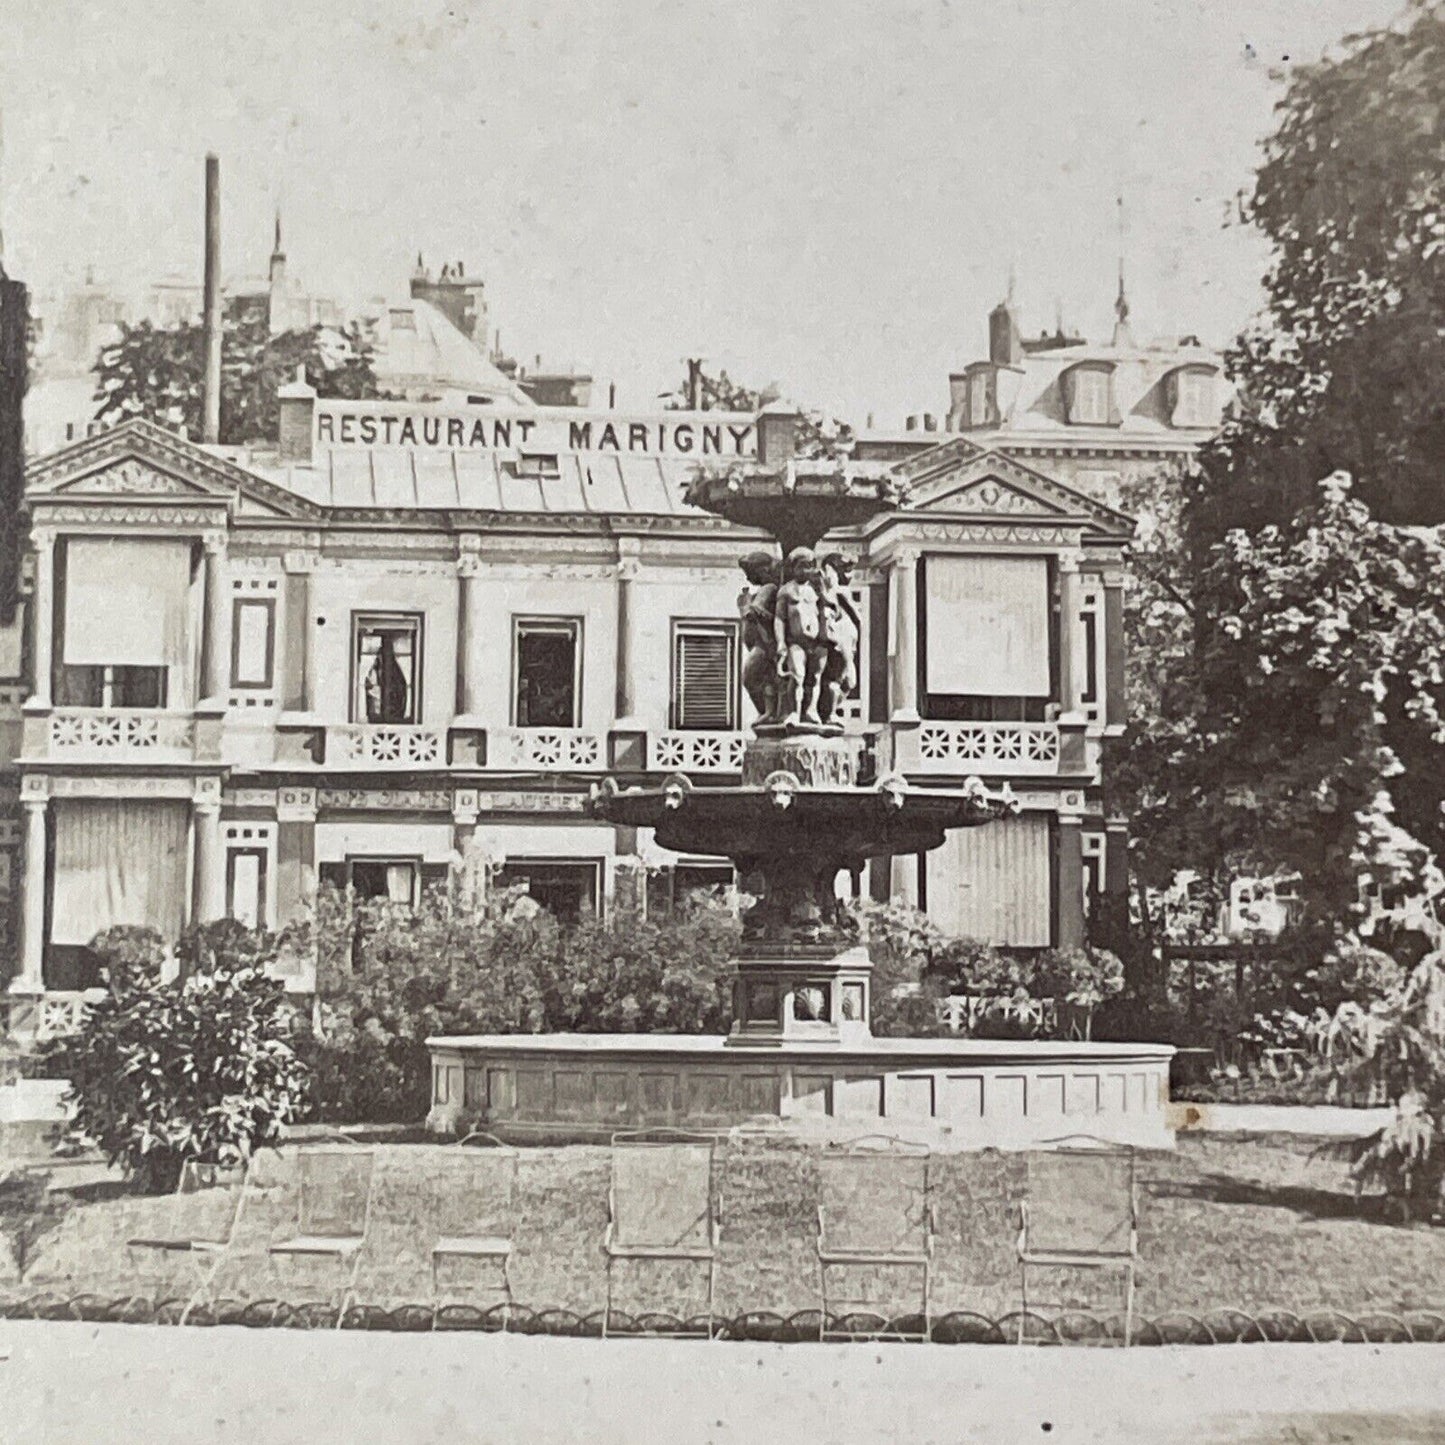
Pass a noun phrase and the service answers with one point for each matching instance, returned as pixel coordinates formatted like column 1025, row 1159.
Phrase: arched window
column 1191, row 396
column 1089, row 395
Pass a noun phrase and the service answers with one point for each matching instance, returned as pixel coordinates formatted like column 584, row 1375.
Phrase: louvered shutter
column 705, row 678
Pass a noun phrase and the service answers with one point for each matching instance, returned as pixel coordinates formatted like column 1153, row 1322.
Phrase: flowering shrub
column 197, row 1069
column 492, row 962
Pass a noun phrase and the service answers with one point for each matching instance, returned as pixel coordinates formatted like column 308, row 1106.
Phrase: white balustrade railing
column 696, row 752
column 547, row 750
column 983, row 747
column 117, row 732
column 386, row 745
column 60, row 1015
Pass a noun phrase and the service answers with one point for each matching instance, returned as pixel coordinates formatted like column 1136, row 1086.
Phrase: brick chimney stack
column 460, row 298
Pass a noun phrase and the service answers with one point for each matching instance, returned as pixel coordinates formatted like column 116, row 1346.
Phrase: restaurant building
column 406, row 630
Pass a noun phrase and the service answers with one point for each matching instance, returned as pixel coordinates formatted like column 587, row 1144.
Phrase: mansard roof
column 955, row 479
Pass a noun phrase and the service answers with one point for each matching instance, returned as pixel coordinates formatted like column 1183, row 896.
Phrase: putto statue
column 801, row 631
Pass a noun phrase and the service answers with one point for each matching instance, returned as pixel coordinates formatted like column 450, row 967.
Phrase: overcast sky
column 828, row 193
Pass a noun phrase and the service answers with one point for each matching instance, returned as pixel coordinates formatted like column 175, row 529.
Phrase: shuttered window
column 705, row 675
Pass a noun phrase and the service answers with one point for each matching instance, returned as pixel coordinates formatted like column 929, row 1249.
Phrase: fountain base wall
column 955, row 1094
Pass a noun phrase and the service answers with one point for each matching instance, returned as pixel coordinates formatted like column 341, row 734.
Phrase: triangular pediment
column 958, row 478
column 139, row 461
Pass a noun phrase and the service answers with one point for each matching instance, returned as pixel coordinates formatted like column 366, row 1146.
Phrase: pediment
column 138, row 460
column 994, row 496
column 960, row 478
column 132, row 477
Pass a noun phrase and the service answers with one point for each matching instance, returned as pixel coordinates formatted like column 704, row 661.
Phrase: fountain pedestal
column 813, row 995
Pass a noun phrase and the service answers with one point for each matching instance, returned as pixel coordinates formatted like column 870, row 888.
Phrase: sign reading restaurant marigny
column 544, row 431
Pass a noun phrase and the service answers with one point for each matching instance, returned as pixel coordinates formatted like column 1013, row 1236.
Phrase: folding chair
column 475, row 1187
column 333, row 1211
column 200, row 1224
column 663, row 1205
column 1079, row 1211
column 874, row 1210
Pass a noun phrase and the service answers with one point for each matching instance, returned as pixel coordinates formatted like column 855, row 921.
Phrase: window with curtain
column 127, row 621
column 119, row 860
column 986, row 622
column 568, row 889
column 705, row 675
column 387, row 668
column 397, row 880
column 1089, row 395
column 1191, row 397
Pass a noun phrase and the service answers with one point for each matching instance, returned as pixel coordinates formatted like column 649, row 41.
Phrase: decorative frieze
column 386, row 800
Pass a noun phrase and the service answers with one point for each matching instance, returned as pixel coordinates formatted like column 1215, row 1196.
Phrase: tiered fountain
column 810, row 806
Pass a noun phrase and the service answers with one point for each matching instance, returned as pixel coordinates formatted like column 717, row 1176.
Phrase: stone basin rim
column 999, row 1051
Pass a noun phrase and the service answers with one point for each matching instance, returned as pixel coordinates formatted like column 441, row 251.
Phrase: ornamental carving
column 991, row 495
column 132, row 476
column 389, row 800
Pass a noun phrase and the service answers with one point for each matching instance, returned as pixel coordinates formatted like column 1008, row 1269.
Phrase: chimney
column 211, row 308
column 1005, row 346
column 777, row 434
column 297, row 417
column 957, row 417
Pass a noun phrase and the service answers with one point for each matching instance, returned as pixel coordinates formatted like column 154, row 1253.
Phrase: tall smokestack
column 211, row 317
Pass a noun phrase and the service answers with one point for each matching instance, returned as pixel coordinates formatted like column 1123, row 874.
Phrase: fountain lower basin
column 953, row 1094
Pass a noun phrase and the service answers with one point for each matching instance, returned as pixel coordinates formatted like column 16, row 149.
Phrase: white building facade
column 411, row 628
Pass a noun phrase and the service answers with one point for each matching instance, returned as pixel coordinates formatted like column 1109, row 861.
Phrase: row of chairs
column 875, row 1210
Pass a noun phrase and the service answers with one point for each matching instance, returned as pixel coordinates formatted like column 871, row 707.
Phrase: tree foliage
column 1285, row 636
column 1344, row 370
column 158, row 372
column 819, row 435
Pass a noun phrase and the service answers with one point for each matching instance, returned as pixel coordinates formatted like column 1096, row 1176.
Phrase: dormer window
column 1191, row 397
column 403, row 318
column 1089, row 395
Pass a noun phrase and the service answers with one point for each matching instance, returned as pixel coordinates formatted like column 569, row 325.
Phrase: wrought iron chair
column 475, row 1193
column 663, row 1205
column 334, row 1189
column 1079, row 1211
column 875, row 1210
column 200, row 1223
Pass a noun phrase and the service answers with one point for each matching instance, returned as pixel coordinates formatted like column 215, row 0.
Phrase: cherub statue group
column 801, row 631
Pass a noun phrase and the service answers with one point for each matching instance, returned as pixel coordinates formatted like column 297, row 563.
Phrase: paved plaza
column 76, row 1383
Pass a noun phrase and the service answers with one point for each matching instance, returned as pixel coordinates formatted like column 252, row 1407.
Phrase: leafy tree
column 1269, row 736
column 1284, row 649
column 197, row 1069
column 1344, row 371
column 158, row 372
column 818, row 436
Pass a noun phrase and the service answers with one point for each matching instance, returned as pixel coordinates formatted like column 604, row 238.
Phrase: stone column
column 210, row 898
column 626, row 684
column 1071, row 641
column 31, row 978
column 42, row 617
column 904, row 651
column 1069, row 873
column 216, row 643
column 1115, row 705
column 299, row 693
column 468, row 702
